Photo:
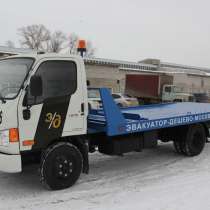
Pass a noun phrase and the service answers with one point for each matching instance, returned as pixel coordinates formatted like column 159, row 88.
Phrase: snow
column 155, row 179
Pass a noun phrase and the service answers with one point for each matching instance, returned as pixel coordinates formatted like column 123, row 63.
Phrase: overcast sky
column 172, row 30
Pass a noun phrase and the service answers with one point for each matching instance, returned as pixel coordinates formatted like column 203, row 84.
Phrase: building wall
column 193, row 83
column 108, row 76
column 114, row 78
column 104, row 76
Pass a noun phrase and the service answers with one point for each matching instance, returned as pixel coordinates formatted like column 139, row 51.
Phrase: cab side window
column 59, row 79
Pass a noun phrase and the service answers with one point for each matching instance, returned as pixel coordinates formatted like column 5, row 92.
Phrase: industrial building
column 112, row 73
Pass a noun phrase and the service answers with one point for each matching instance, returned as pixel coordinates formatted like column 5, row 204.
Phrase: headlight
column 4, row 137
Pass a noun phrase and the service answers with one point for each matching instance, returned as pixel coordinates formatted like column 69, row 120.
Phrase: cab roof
column 38, row 56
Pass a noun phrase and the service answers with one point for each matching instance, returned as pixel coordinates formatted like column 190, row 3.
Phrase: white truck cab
column 31, row 115
column 172, row 93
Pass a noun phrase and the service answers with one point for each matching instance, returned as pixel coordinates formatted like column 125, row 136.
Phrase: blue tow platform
column 114, row 121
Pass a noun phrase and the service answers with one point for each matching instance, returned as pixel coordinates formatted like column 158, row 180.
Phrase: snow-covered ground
column 154, row 179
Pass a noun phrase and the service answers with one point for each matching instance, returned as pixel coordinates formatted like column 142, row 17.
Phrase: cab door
column 59, row 110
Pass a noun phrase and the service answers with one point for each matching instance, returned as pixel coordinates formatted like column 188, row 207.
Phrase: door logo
column 54, row 120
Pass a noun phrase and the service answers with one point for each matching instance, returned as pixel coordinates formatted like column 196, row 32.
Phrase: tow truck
column 44, row 114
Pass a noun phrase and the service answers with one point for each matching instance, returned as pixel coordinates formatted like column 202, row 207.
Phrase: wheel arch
column 81, row 143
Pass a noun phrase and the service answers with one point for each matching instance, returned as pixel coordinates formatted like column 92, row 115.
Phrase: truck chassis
column 115, row 131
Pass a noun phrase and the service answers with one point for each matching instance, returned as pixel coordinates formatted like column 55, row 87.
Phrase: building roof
column 184, row 67
column 14, row 51
column 120, row 64
column 175, row 67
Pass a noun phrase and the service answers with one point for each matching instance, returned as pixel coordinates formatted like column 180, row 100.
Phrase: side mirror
column 36, row 86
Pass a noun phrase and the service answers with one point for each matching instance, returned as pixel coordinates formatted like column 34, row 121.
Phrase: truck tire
column 195, row 140
column 61, row 166
column 178, row 146
column 179, row 141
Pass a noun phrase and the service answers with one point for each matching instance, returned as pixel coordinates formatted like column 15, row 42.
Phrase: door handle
column 82, row 108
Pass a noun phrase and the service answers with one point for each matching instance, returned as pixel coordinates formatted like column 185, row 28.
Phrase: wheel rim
column 63, row 167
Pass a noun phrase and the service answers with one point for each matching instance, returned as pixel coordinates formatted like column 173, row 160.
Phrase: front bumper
column 10, row 163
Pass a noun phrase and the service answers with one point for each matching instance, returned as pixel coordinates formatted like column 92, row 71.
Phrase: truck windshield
column 12, row 74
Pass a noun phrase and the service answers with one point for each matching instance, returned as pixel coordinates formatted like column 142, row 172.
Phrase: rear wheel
column 61, row 166
column 178, row 146
column 179, row 141
column 190, row 140
column 195, row 141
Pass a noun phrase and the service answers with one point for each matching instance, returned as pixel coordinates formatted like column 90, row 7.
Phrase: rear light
column 28, row 143
column 13, row 135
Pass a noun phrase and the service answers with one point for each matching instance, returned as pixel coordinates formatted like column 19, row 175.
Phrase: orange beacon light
column 81, row 47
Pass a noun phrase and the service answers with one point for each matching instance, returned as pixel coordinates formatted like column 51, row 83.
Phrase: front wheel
column 61, row 166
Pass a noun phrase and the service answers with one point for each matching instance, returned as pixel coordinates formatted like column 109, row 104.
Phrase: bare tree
column 38, row 37
column 10, row 44
column 35, row 37
column 72, row 43
column 57, row 41
column 90, row 50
